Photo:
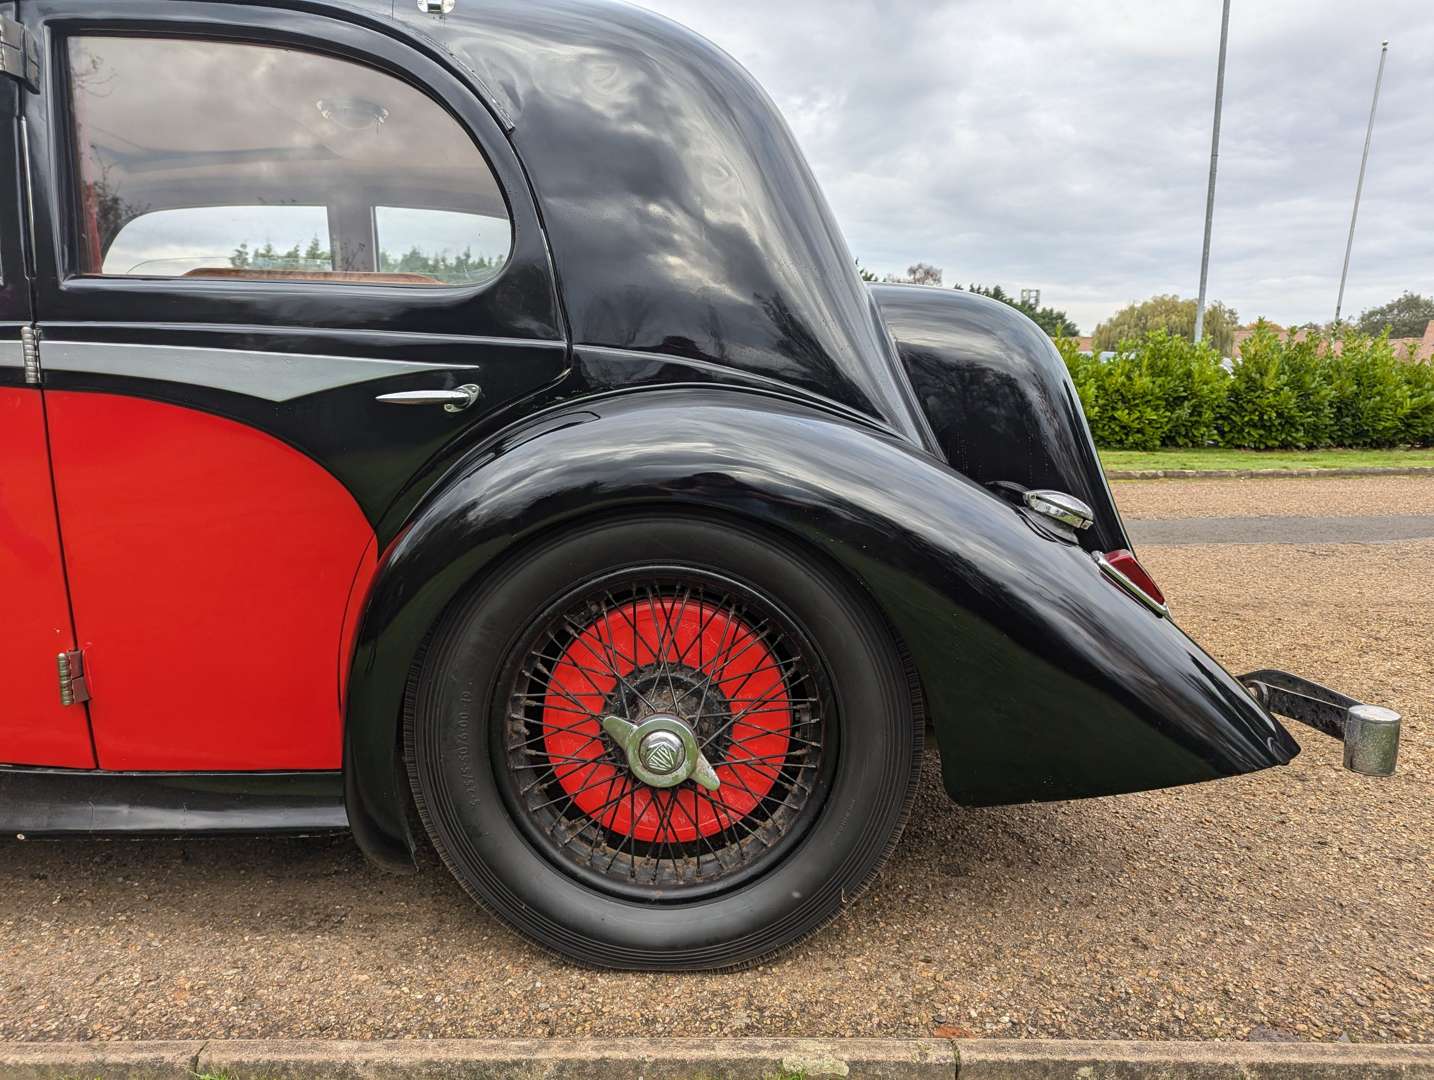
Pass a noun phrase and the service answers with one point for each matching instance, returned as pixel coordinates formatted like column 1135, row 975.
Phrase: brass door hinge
column 19, row 54
column 74, row 690
column 30, row 350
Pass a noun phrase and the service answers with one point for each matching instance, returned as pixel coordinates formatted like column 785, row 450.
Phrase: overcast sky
column 1060, row 146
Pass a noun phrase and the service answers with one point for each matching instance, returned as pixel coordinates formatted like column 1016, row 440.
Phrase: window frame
column 68, row 293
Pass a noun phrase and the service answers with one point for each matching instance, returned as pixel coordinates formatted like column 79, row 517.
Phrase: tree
column 1172, row 314
column 918, row 274
column 1055, row 323
column 460, row 269
column 454, row 269
column 315, row 255
column 1407, row 316
column 865, row 274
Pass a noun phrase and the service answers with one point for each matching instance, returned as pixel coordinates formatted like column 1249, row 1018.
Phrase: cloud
column 1066, row 146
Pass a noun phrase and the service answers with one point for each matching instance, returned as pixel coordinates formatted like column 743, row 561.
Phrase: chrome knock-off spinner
column 661, row 751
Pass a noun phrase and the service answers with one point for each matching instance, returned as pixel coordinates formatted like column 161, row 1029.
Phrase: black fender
column 998, row 397
column 1043, row 679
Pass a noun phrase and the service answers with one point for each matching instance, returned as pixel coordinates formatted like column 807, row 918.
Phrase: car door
column 35, row 727
column 286, row 268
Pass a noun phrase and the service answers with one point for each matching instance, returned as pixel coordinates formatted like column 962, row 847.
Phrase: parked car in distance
column 473, row 408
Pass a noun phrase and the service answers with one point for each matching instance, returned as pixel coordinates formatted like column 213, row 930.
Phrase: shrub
column 1084, row 372
column 1306, row 365
column 1134, row 414
column 1160, row 389
column 1371, row 396
column 1261, row 408
column 1419, row 415
column 1191, row 383
column 1279, row 395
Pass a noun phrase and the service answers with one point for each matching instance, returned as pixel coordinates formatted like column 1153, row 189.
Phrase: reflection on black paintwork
column 999, row 398
column 681, row 211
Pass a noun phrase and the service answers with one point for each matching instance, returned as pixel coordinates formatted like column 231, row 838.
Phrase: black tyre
column 663, row 743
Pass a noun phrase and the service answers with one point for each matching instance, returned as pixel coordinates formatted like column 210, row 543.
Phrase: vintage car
column 465, row 419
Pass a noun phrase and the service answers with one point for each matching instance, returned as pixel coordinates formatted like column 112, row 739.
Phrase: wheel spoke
column 702, row 654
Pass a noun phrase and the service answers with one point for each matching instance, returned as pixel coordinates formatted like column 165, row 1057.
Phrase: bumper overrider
column 1370, row 732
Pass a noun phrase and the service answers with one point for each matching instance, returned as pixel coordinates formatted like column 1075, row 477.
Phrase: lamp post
column 1359, row 188
column 1214, row 163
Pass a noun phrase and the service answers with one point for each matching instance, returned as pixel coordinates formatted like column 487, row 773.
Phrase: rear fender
column 999, row 398
column 1044, row 681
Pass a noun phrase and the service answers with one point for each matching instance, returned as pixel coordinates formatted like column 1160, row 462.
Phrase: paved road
column 1291, row 904
column 1272, row 529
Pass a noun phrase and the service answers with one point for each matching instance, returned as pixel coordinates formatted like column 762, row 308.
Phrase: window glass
column 454, row 248
column 220, row 159
column 170, row 243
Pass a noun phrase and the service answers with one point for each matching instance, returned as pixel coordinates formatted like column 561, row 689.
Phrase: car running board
column 1370, row 732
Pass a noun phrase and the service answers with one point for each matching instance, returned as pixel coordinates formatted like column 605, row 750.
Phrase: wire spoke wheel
column 663, row 742
column 666, row 733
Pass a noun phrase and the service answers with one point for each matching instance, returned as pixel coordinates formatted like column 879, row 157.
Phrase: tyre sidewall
column 460, row 799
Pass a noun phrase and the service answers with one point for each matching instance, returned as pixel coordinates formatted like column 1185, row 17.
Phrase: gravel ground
column 1293, row 904
column 1357, row 496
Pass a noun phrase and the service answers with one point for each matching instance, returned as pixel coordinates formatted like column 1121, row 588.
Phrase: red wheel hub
column 706, row 646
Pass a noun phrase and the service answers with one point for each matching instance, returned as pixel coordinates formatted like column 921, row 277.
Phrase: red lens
column 1126, row 562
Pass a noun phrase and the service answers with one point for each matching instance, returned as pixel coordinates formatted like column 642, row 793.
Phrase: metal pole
column 1214, row 163
column 1359, row 188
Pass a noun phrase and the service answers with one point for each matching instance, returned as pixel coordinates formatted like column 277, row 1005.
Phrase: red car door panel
column 35, row 729
column 211, row 566
column 35, row 627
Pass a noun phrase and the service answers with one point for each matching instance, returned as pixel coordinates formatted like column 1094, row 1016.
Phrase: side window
column 227, row 160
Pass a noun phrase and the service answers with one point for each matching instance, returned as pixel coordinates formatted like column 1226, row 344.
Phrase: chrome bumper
column 1370, row 732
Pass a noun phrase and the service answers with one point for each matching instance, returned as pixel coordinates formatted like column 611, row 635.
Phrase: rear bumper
column 1370, row 732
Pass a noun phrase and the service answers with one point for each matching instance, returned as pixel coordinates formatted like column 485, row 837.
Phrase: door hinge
column 19, row 53
column 30, row 350
column 73, row 688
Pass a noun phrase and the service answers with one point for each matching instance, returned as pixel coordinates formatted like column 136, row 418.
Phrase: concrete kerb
column 713, row 1059
column 99, row 1060
column 1267, row 474
column 1061, row 1060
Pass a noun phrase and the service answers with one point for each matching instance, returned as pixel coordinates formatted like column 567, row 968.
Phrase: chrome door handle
column 451, row 400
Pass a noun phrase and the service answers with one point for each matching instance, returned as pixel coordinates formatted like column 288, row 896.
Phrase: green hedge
column 1161, row 390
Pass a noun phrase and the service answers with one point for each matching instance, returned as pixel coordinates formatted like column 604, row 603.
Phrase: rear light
column 1123, row 568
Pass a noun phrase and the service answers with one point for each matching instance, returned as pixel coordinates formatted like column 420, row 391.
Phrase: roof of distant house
column 1422, row 348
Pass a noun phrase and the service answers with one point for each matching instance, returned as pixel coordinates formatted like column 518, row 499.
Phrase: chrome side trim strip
column 268, row 375
column 12, row 354
column 61, row 330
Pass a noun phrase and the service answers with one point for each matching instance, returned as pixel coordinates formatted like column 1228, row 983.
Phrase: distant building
column 1426, row 343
